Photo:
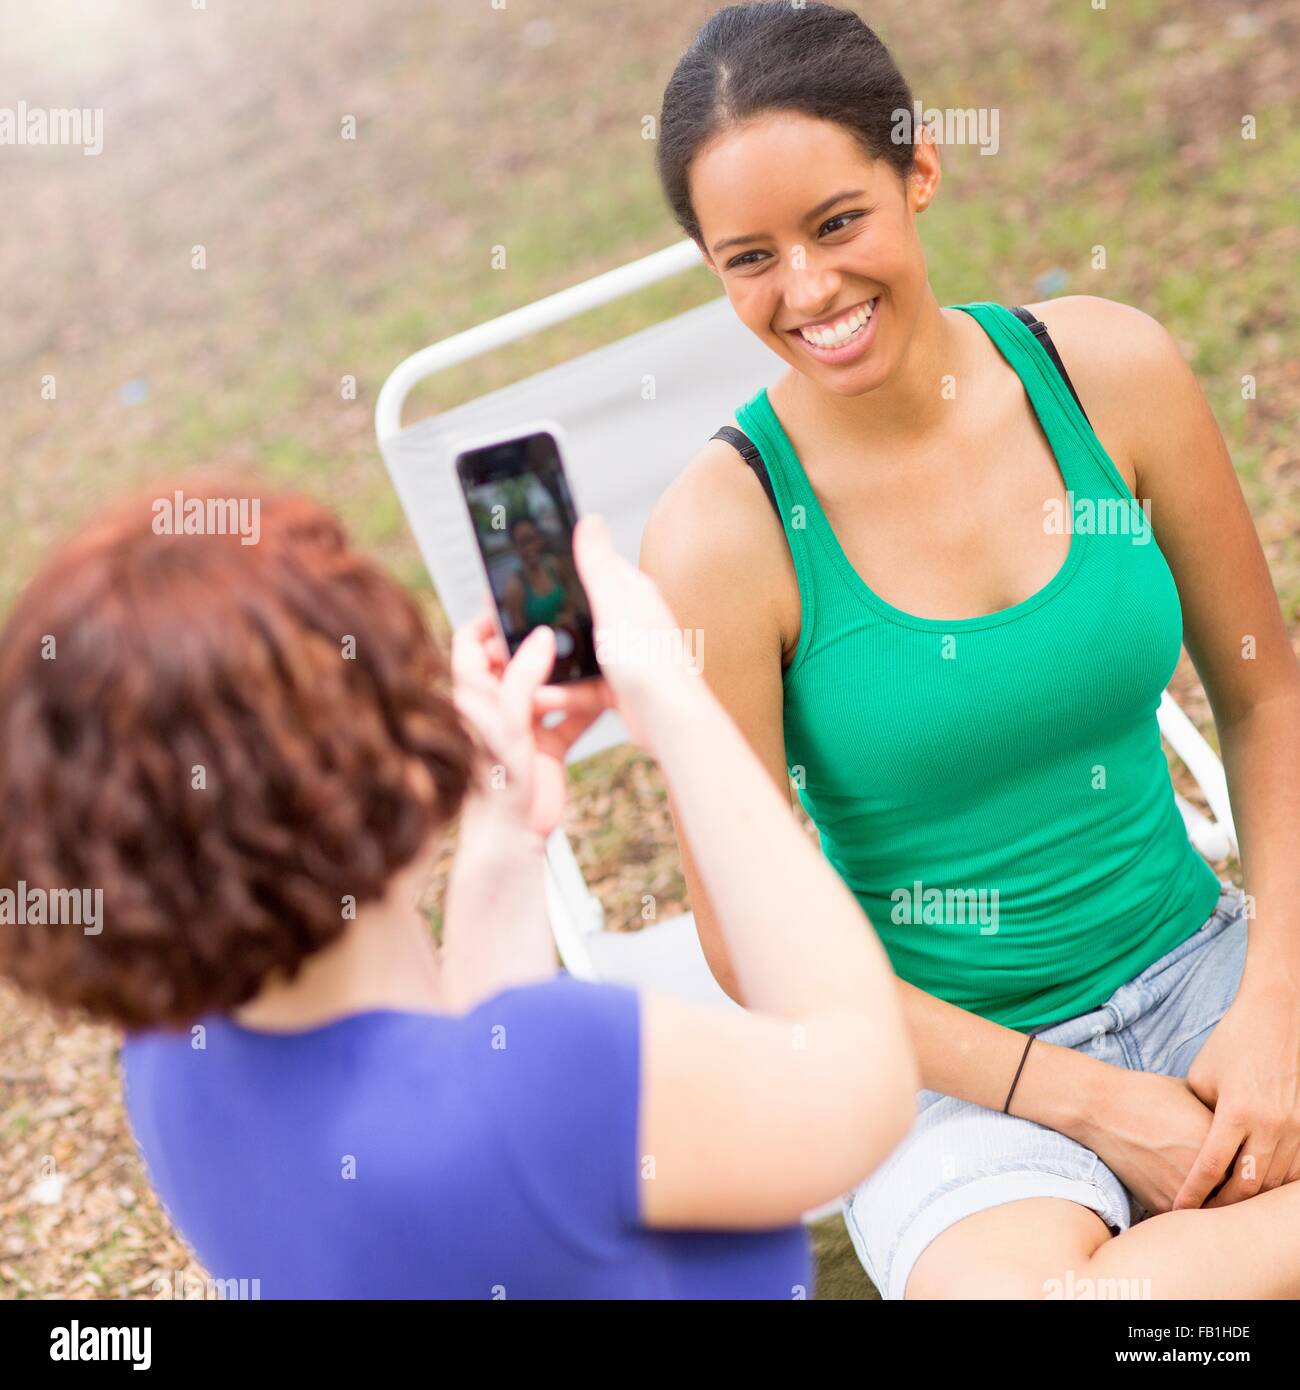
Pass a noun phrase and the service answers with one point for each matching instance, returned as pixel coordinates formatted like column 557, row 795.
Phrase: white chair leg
column 1204, row 765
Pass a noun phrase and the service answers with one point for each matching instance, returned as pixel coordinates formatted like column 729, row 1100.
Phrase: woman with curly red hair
column 253, row 751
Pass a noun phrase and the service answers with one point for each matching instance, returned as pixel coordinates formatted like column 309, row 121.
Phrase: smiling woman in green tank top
column 536, row 594
column 950, row 621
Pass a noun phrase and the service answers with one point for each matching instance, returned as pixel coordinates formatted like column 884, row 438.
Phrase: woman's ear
column 923, row 181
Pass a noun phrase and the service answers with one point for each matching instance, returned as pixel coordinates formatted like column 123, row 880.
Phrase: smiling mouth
column 836, row 332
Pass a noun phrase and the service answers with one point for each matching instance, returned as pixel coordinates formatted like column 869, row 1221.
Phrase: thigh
column 1020, row 1250
column 959, row 1160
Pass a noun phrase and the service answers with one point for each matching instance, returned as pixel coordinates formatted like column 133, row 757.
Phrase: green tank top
column 541, row 608
column 993, row 789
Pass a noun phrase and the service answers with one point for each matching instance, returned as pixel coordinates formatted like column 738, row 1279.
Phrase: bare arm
column 1249, row 1069
column 1159, row 429
column 750, row 1117
column 811, row 1088
column 495, row 931
column 713, row 547
column 1233, row 628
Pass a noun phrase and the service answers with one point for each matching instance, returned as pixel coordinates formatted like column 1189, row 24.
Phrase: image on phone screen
column 523, row 518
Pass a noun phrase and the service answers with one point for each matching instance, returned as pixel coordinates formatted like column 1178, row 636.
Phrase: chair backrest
column 633, row 414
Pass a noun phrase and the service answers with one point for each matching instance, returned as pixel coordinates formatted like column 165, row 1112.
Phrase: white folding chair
column 633, row 413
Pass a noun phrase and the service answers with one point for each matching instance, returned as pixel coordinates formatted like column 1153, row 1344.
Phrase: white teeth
column 842, row 331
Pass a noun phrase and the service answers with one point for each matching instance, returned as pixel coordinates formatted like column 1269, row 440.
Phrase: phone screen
column 523, row 517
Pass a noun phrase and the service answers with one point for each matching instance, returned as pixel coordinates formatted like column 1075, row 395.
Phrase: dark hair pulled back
column 817, row 59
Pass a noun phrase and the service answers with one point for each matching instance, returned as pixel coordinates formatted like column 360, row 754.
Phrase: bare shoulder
column 1129, row 371
column 715, row 546
column 1105, row 340
column 717, row 495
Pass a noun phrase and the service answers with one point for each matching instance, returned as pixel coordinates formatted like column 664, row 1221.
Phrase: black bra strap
column 741, row 442
column 1039, row 329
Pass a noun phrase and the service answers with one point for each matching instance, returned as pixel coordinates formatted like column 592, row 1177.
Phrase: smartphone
column 523, row 517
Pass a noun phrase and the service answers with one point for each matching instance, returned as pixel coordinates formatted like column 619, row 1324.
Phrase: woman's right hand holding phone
column 637, row 643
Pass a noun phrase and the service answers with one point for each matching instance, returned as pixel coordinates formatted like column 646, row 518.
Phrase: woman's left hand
column 505, row 703
column 1248, row 1072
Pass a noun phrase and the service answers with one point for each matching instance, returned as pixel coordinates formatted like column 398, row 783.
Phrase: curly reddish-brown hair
column 134, row 658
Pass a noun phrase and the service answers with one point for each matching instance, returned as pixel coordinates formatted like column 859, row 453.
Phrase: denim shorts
column 959, row 1158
